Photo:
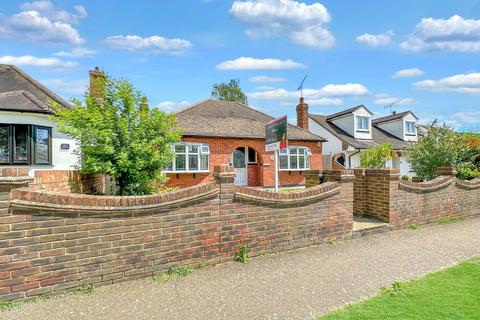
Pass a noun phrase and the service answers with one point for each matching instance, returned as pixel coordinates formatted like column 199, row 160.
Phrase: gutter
column 350, row 158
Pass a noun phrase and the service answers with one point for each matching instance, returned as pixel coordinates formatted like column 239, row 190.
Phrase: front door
column 239, row 163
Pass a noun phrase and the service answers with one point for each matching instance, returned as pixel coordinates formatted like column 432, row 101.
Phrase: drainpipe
column 350, row 158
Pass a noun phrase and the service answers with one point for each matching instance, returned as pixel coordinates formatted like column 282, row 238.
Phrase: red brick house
column 219, row 132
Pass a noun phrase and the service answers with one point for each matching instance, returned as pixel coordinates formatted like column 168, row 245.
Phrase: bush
column 467, row 171
column 376, row 157
column 405, row 177
column 438, row 146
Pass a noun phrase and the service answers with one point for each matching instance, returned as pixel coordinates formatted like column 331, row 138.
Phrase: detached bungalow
column 28, row 138
column 219, row 132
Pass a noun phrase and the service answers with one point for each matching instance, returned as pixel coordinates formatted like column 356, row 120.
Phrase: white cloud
column 325, row 102
column 47, row 9
column 462, row 83
column 318, row 96
column 376, row 40
column 386, row 99
column 266, row 79
column 303, row 24
column 29, row 60
column 62, row 85
column 153, row 44
column 265, row 88
column 247, row 63
column 172, row 106
column 42, row 22
column 464, row 119
column 453, row 34
column 408, row 73
column 76, row 53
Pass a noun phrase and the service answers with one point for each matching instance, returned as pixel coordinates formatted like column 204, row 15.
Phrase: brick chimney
column 97, row 84
column 302, row 114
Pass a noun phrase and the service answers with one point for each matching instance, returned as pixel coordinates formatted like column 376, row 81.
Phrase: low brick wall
column 53, row 241
column 73, row 181
column 401, row 203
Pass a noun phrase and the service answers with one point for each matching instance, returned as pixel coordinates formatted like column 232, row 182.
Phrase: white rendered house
column 28, row 137
column 352, row 131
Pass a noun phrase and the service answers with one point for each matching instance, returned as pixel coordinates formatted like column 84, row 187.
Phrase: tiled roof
column 379, row 136
column 215, row 118
column 344, row 112
column 20, row 92
column 391, row 117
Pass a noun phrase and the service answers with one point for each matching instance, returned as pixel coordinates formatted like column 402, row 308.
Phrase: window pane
column 301, row 151
column 4, row 152
column 252, row 156
column 301, row 162
column 192, row 149
column 205, row 149
column 362, row 123
column 42, row 145
column 293, row 150
column 193, row 162
column 283, row 151
column 204, row 162
column 180, row 162
column 180, row 148
column 169, row 167
column 283, row 162
column 20, row 141
column 293, row 162
column 307, row 165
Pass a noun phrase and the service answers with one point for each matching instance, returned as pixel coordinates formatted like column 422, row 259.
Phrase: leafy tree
column 377, row 156
column 438, row 146
column 119, row 135
column 229, row 92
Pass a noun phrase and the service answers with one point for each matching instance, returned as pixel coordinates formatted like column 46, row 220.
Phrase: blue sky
column 421, row 55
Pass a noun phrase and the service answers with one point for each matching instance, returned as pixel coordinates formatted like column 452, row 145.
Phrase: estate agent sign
column 276, row 134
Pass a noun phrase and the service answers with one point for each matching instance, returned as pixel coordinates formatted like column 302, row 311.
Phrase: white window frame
column 203, row 149
column 287, row 152
column 359, row 119
column 410, row 133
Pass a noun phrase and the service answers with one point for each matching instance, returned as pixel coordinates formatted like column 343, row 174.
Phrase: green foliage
column 377, row 156
column 201, row 265
column 171, row 274
column 467, row 171
column 229, row 92
column 405, row 177
column 241, row 255
column 449, row 294
column 121, row 137
column 438, row 146
column 413, row 226
column 84, row 289
column 7, row 305
column 451, row 220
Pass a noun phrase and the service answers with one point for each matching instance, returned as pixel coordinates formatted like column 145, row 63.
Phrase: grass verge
column 453, row 293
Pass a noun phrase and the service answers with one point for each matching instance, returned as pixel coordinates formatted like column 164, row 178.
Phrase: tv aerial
column 390, row 106
column 300, row 87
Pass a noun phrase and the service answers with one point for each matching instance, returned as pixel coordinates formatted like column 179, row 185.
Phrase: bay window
column 295, row 158
column 25, row 144
column 190, row 157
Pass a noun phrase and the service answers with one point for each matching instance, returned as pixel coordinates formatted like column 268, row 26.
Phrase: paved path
column 294, row 285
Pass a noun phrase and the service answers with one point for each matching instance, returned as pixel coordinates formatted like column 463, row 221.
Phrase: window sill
column 363, row 131
column 294, row 169
column 176, row 172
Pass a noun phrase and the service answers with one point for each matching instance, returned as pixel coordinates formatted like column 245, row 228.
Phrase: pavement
column 300, row 284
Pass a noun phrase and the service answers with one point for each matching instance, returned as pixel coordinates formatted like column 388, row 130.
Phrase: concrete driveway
column 300, row 284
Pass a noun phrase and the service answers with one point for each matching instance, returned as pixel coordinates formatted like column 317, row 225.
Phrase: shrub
column 467, row 171
column 405, row 177
column 241, row 255
column 438, row 146
column 376, row 157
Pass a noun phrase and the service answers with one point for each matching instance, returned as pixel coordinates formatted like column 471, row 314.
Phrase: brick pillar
column 359, row 193
column 381, row 186
column 446, row 171
column 228, row 240
column 345, row 178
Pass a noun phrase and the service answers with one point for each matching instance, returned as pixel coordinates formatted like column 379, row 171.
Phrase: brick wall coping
column 15, row 180
column 468, row 184
column 43, row 200
column 382, row 172
column 426, row 186
column 318, row 192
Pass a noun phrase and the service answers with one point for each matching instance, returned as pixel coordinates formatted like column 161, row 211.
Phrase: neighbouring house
column 351, row 131
column 28, row 137
column 220, row 132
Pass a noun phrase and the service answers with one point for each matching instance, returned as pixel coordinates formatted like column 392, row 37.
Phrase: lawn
column 453, row 293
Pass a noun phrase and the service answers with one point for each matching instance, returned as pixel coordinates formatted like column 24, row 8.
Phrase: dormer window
column 363, row 123
column 410, row 128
